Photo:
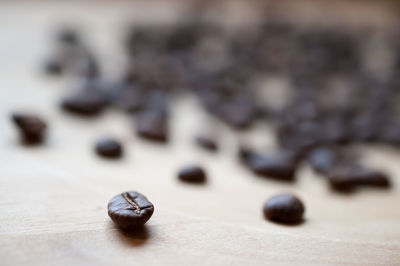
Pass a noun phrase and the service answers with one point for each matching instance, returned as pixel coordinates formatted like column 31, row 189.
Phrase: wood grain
column 53, row 198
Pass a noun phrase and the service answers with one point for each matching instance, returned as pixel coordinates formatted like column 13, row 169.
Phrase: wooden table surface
column 53, row 198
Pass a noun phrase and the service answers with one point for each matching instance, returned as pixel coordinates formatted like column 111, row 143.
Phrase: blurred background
column 259, row 76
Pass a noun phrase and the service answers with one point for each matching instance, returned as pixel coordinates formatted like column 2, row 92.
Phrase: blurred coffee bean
column 279, row 165
column 207, row 142
column 192, row 174
column 322, row 159
column 284, row 208
column 32, row 128
column 109, row 148
column 89, row 101
column 348, row 177
column 152, row 125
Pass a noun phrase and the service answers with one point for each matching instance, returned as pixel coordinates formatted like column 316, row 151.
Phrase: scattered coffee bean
column 152, row 126
column 192, row 174
column 110, row 148
column 322, row 159
column 31, row 127
column 88, row 102
column 279, row 165
column 207, row 142
column 130, row 210
column 347, row 177
column 284, row 208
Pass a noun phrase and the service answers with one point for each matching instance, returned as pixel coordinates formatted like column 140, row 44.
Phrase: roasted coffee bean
column 322, row 159
column 348, row 177
column 280, row 165
column 192, row 174
column 152, row 126
column 31, row 127
column 88, row 102
column 130, row 210
column 284, row 208
column 207, row 142
column 110, row 148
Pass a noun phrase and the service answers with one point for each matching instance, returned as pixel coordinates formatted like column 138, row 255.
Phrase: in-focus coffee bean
column 130, row 210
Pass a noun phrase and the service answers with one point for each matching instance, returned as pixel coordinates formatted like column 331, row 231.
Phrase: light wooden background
column 53, row 199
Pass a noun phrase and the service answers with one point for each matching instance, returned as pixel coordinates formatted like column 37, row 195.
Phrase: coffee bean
column 130, row 210
column 279, row 165
column 284, row 208
column 87, row 102
column 322, row 159
column 152, row 126
column 347, row 177
column 207, row 142
column 31, row 127
column 110, row 148
column 192, row 174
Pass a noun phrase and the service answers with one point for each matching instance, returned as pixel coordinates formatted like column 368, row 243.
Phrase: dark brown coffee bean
column 322, row 159
column 88, row 102
column 284, row 208
column 130, row 210
column 192, row 174
column 31, row 127
column 279, row 165
column 348, row 177
column 110, row 148
column 207, row 142
column 152, row 126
